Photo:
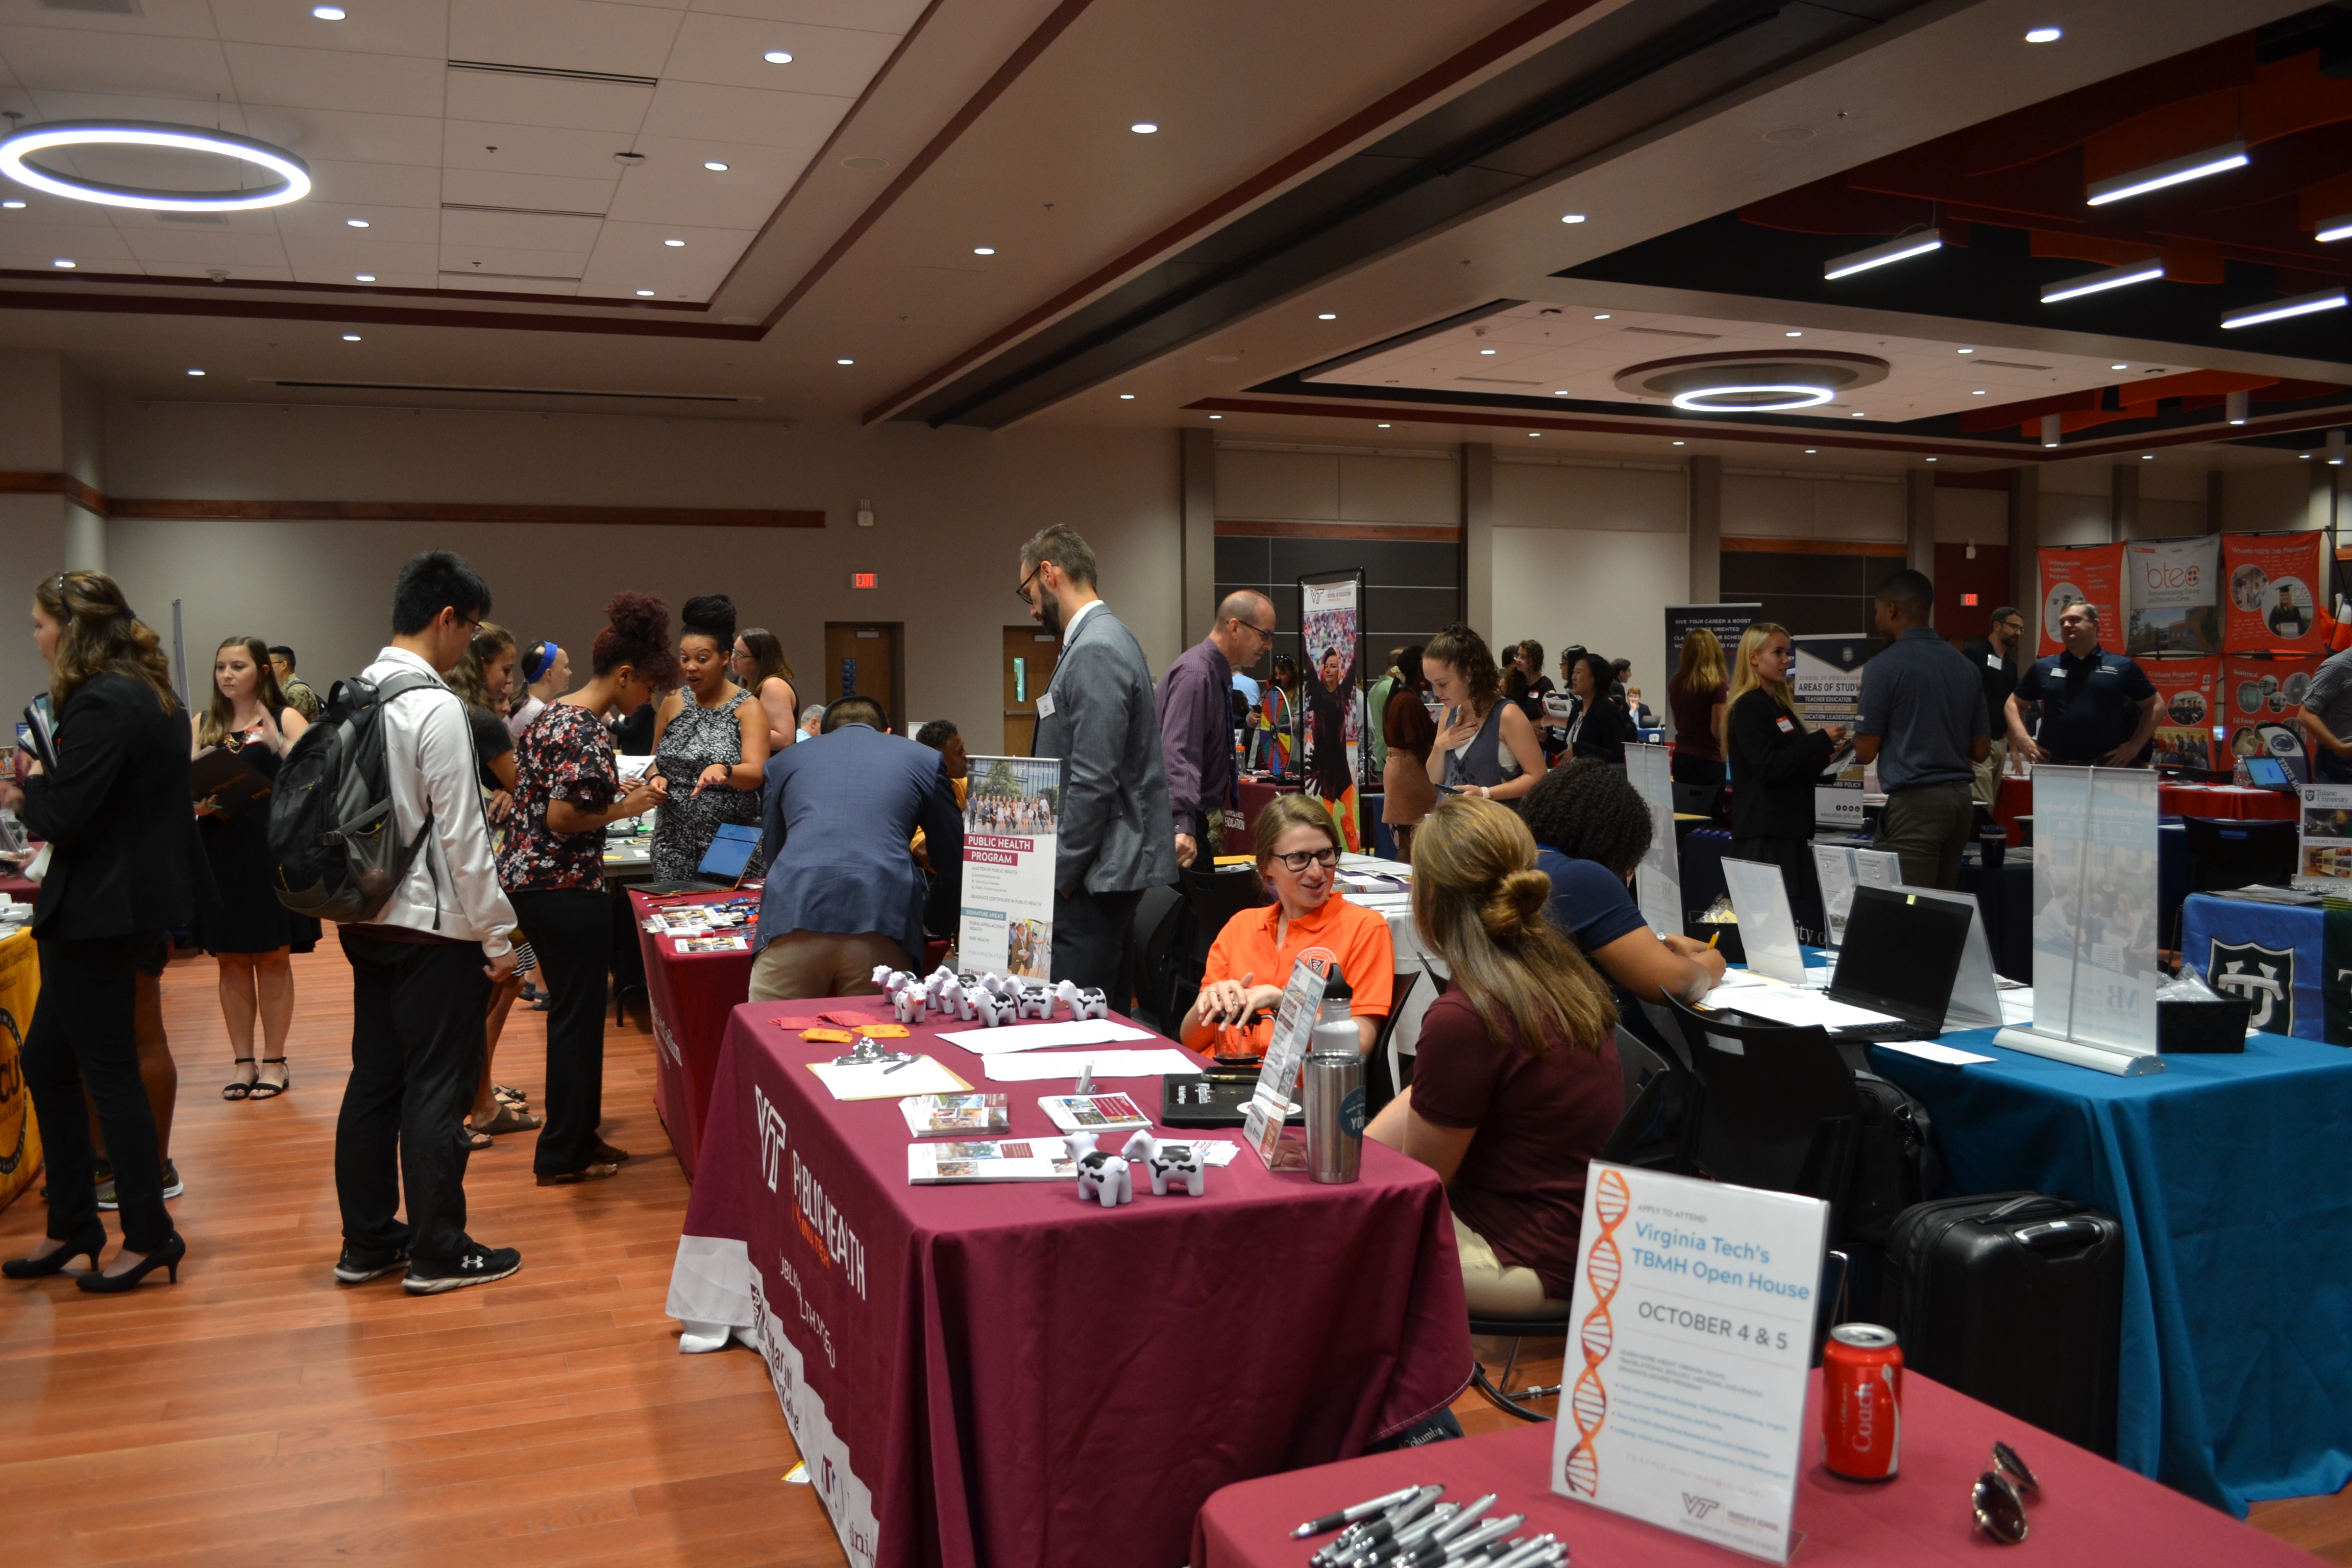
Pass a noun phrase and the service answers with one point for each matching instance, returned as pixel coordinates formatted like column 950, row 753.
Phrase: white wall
column 1592, row 554
column 951, row 509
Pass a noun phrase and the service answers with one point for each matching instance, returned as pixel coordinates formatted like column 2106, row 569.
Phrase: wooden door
column 1029, row 655
column 861, row 659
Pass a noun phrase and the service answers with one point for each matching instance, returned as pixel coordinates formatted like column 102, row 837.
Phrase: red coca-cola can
column 1862, row 1403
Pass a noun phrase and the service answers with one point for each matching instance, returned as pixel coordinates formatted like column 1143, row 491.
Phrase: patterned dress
column 696, row 738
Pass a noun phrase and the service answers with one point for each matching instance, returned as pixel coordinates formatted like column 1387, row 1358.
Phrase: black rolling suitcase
column 2017, row 1300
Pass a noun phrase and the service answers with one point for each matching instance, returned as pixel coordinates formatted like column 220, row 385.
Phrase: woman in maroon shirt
column 1515, row 1085
column 1696, row 696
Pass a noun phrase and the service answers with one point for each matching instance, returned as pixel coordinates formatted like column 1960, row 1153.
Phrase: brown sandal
column 509, row 1120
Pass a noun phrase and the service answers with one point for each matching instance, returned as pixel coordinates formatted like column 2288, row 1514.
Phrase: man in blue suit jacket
column 843, row 893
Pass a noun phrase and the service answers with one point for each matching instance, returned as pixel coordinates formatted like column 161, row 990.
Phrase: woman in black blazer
column 121, row 828
column 1601, row 728
column 1774, row 760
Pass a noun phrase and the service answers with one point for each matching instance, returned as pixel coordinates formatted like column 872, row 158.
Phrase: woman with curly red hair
column 567, row 790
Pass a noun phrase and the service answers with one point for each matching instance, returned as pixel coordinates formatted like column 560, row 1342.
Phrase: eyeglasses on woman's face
column 1296, row 864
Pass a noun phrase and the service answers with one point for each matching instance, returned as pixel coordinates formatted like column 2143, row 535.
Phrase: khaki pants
column 1989, row 772
column 802, row 965
column 1492, row 1288
column 1928, row 825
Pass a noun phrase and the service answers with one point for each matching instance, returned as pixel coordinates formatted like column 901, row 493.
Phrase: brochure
column 1026, row 1160
column 928, row 1115
column 1092, row 1112
column 714, row 945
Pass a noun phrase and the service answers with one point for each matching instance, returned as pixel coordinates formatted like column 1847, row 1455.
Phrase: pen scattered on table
column 1354, row 1511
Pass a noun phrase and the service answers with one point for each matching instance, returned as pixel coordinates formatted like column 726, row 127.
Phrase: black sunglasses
column 1999, row 1497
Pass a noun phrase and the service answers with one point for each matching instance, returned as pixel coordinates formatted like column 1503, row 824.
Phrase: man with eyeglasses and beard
column 1196, row 725
column 1098, row 715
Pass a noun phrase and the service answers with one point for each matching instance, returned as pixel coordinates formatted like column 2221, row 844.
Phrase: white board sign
column 1767, row 930
column 1693, row 1319
column 1658, row 882
column 1010, row 815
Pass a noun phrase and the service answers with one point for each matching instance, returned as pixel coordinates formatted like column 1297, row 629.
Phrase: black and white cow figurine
column 1102, row 1177
column 1036, row 1002
column 1179, row 1162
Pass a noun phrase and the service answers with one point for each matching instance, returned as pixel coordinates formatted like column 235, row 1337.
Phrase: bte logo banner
column 2262, row 975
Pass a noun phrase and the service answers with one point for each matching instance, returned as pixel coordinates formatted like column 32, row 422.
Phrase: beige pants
column 802, row 965
column 1989, row 773
column 1493, row 1288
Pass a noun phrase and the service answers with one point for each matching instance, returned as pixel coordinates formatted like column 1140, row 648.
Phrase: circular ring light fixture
column 1774, row 381
column 291, row 185
column 1763, row 399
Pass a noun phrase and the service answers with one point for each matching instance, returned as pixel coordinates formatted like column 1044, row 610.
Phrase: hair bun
column 1519, row 901
column 710, row 615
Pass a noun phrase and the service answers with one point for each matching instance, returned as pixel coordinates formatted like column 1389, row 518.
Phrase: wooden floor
column 260, row 1414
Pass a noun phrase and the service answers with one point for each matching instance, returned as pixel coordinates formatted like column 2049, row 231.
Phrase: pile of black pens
column 1411, row 1528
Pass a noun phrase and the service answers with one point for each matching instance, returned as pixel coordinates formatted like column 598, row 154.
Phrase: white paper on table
column 1929, row 1051
column 1038, row 1037
column 1030, row 1068
column 866, row 1080
column 1789, row 1004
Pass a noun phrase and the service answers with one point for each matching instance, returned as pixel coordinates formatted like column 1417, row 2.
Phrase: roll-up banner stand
column 1827, row 684
column 2092, row 573
column 2176, row 595
column 1011, row 818
column 1332, row 715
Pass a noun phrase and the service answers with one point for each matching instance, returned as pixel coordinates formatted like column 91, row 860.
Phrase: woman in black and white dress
column 711, row 742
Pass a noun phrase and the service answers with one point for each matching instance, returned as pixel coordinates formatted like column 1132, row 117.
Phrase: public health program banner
column 2275, row 582
column 2176, row 599
column 20, row 1136
column 2185, row 725
column 1010, row 818
column 1331, row 639
column 2256, row 699
column 2092, row 574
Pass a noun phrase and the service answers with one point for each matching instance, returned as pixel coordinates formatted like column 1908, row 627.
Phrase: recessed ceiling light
column 1561, row 393
column 292, row 180
column 1535, row 435
column 1812, row 450
column 355, row 223
column 2301, row 305
column 845, row 361
column 1793, row 334
column 1857, row 415
column 1603, row 316
column 644, row 293
column 1979, row 392
column 328, row 12
column 2120, row 364
column 1328, row 316
column 1964, row 351
column 61, row 261
column 351, row 337
column 1931, row 459
column 1682, row 443
column 1381, row 426
column 363, row 277
column 2147, row 457
column 11, row 203
column 2045, row 36
column 1485, row 351
column 983, row 250
column 778, row 57
column 194, row 372
column 1900, row 249
column 1572, row 217
column 1143, row 127
column 1221, row 416
column 2174, row 172
column 714, row 165
column 674, row 244
column 1127, row 397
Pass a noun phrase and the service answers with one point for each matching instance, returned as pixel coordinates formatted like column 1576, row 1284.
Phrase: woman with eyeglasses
column 1774, row 760
column 1297, row 860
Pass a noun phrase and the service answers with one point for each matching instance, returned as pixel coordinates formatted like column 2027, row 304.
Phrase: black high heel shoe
column 167, row 1256
column 91, row 1243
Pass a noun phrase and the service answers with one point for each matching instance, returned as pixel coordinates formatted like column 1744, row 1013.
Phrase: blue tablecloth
column 2228, row 1173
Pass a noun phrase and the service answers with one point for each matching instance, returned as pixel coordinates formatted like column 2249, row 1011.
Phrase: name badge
column 1045, row 705
column 1788, row 727
column 1992, row 661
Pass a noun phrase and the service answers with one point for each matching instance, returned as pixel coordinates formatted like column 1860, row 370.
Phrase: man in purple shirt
column 1196, row 725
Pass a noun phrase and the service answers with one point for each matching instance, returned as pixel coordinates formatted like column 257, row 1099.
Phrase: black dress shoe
column 608, row 1155
column 90, row 1244
column 167, row 1256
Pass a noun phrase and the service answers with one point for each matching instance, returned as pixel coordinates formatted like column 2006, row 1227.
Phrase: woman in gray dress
column 711, row 742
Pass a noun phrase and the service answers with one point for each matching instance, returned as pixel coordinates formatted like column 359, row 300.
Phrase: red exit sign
column 1970, row 600
column 863, row 580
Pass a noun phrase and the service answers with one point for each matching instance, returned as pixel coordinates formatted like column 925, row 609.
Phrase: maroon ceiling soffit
column 1446, row 75
column 1941, row 447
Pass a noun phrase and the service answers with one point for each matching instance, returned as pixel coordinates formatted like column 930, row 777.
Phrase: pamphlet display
column 1294, row 1024
column 2092, row 574
column 1767, row 930
column 2176, row 599
column 1659, row 881
column 930, row 1115
column 1841, row 868
column 2185, row 721
column 1726, row 621
column 1693, row 1322
column 2275, row 584
column 2095, row 975
column 1011, row 816
column 1331, row 695
column 1826, row 681
column 2324, row 850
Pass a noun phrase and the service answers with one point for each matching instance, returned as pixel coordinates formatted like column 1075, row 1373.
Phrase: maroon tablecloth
column 2090, row 1510
column 689, row 996
column 1256, row 794
column 1005, row 1376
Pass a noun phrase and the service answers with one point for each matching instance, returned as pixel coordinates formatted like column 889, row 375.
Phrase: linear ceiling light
column 2280, row 310
column 2335, row 228
column 2099, row 282
column 2156, row 176
column 2235, row 406
column 293, row 181
column 1900, row 249
column 1752, row 399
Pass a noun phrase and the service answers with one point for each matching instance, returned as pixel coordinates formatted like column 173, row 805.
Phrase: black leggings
column 571, row 932
column 85, row 1040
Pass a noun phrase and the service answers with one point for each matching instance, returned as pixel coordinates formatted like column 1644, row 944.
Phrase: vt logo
column 1699, row 1506
column 771, row 1123
column 2262, row 975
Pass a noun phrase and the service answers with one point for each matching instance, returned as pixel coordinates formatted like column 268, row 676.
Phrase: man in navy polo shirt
column 1924, row 723
column 2097, row 708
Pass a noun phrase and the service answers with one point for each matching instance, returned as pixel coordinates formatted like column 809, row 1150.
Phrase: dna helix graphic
column 1604, row 1267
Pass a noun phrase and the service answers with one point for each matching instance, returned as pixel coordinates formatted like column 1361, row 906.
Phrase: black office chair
column 1380, row 1073
column 1218, row 896
column 2224, row 853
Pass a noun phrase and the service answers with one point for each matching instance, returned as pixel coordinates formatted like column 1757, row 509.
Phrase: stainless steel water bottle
column 1333, row 1089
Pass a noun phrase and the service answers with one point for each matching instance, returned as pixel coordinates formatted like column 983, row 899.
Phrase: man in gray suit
column 1099, row 716
column 843, row 892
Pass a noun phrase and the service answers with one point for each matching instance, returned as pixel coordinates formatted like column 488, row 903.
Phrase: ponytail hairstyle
column 470, row 679
column 768, row 661
column 219, row 721
column 1481, row 903
column 538, row 659
column 709, row 615
column 102, row 637
column 637, row 633
column 1465, row 650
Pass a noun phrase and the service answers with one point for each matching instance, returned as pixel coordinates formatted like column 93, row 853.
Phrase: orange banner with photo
column 2185, row 724
column 20, row 1136
column 2275, row 591
column 2093, row 572
column 2256, row 703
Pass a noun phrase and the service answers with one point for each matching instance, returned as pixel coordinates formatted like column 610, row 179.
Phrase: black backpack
column 333, row 843
column 1894, row 1163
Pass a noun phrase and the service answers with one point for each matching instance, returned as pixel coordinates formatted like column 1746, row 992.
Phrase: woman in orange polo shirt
column 1297, row 857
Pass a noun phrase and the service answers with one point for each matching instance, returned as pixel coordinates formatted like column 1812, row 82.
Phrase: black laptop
column 1902, row 956
column 723, row 864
